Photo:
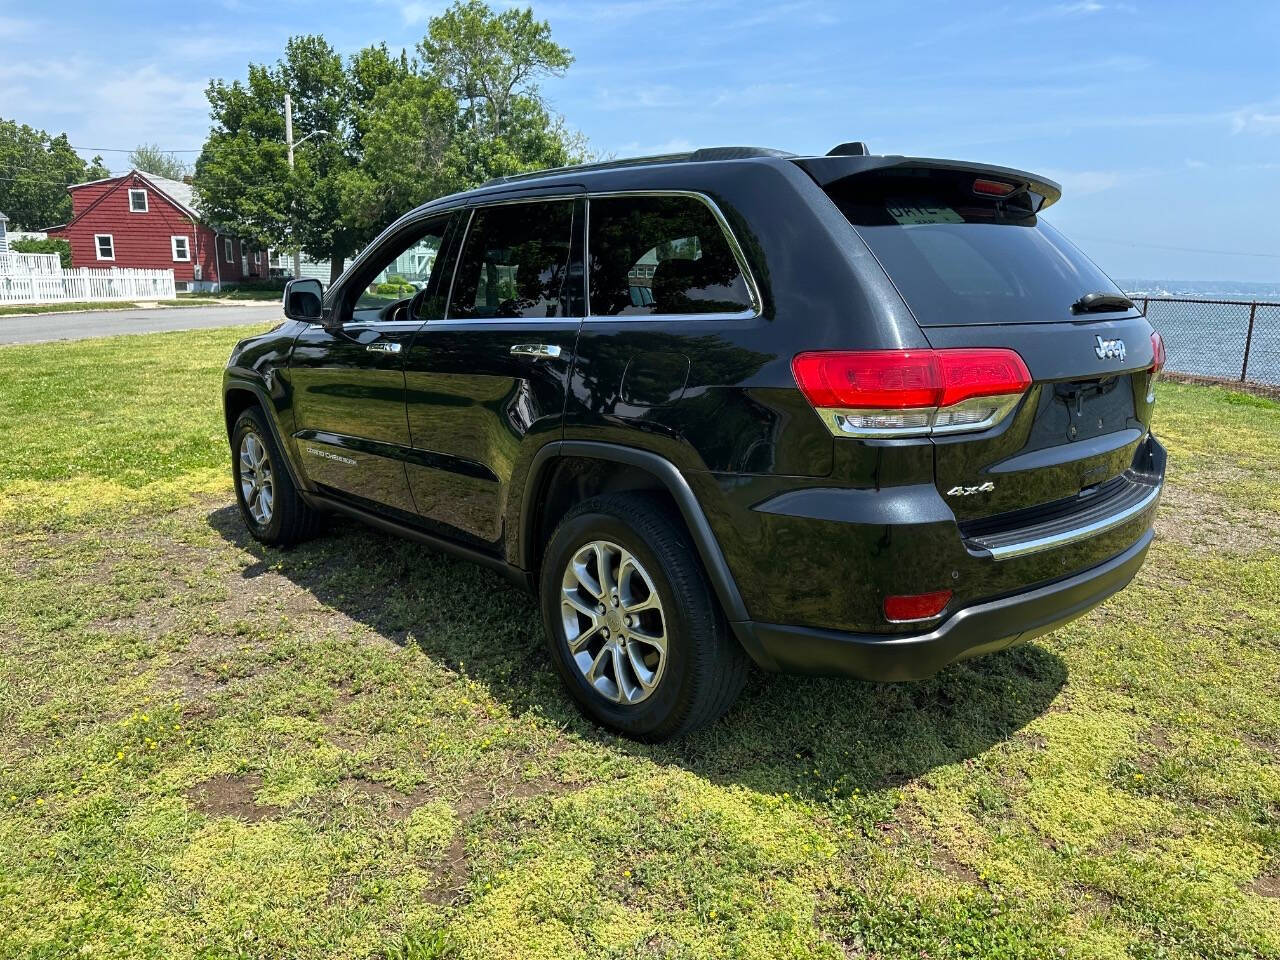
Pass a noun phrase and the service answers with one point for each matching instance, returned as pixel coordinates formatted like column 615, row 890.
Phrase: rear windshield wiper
column 1102, row 303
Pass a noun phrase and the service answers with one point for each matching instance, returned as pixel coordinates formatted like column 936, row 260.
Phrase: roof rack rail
column 702, row 155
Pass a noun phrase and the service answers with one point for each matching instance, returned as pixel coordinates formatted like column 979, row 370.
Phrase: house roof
column 181, row 195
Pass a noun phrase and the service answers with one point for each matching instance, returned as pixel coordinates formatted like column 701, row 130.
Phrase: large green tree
column 149, row 158
column 383, row 132
column 35, row 171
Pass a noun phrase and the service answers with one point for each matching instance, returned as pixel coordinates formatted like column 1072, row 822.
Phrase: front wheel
column 269, row 502
column 634, row 629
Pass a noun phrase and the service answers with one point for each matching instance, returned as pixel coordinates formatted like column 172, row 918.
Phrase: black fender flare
column 230, row 383
column 669, row 475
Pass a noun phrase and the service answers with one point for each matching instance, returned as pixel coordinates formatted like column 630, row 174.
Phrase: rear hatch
column 971, row 255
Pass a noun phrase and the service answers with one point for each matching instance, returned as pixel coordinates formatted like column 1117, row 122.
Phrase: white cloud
column 637, row 149
column 1251, row 120
column 1195, row 164
column 16, row 27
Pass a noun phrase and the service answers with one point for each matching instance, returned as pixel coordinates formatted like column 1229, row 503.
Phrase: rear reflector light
column 993, row 188
column 888, row 393
column 1157, row 352
column 917, row 606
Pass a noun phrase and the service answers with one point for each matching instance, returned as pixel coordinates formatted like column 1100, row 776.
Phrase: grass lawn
column 229, row 294
column 22, row 309
column 357, row 748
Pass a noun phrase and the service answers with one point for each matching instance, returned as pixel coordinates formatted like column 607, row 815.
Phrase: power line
column 131, row 150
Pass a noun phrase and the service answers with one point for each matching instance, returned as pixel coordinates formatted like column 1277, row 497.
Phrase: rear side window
column 961, row 258
column 660, row 255
column 515, row 262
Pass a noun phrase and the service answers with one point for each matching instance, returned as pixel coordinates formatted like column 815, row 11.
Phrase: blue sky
column 1161, row 120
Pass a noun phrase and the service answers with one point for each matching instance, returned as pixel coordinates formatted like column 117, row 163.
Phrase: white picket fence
column 11, row 262
column 86, row 283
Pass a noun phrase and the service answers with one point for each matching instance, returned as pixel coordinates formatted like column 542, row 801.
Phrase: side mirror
column 303, row 298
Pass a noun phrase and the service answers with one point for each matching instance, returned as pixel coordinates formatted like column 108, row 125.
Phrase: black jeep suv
column 851, row 414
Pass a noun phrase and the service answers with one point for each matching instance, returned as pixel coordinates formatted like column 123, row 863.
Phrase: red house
column 144, row 221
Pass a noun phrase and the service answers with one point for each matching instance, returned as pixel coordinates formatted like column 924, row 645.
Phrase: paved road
column 108, row 323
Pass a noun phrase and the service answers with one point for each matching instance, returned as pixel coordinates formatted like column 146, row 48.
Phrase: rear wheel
column 269, row 502
column 634, row 629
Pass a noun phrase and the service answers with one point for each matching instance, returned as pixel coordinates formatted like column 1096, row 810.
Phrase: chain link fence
column 1235, row 340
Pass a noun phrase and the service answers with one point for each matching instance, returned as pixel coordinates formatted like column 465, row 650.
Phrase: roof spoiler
column 827, row 170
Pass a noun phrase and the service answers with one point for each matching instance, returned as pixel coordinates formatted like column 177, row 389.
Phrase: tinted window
column 515, row 262
column 661, row 255
column 957, row 257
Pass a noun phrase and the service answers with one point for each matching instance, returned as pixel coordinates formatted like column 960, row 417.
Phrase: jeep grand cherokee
column 851, row 414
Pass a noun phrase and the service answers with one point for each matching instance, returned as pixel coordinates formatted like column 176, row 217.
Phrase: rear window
column 960, row 258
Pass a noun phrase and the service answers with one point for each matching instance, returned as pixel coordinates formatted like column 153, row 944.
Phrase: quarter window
column 106, row 246
column 181, row 248
column 137, row 201
column 661, row 255
column 516, row 262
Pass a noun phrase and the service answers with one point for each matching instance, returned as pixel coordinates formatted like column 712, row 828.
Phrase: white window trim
column 186, row 243
column 227, row 250
column 97, row 247
column 146, row 204
column 257, row 258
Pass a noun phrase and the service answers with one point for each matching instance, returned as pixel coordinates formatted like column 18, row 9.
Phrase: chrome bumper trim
column 1023, row 548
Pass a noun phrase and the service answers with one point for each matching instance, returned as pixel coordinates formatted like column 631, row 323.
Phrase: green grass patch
column 357, row 748
column 22, row 309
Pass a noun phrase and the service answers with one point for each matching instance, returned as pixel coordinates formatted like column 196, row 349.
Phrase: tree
column 493, row 63
column 149, row 158
column 380, row 133
column 48, row 245
column 35, row 171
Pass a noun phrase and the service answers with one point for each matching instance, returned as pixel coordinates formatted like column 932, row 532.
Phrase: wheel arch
column 638, row 470
column 238, row 396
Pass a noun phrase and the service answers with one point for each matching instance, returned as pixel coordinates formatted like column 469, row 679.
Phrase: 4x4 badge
column 1109, row 349
column 970, row 491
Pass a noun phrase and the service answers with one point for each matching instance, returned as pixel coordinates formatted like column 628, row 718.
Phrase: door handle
column 538, row 351
column 384, row 346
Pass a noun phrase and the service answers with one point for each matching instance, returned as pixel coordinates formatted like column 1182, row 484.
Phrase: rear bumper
column 969, row 632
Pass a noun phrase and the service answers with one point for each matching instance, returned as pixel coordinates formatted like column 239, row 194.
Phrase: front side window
column 137, row 201
column 660, row 255
column 516, row 263
column 404, row 269
column 106, row 245
column 181, row 249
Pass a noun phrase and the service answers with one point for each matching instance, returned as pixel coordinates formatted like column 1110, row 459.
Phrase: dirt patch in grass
column 1267, row 885
column 451, row 874
column 1204, row 522
column 228, row 796
column 392, row 803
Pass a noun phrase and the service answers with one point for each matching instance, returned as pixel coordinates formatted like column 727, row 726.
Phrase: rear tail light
column 1157, row 352
column 910, row 393
column 917, row 606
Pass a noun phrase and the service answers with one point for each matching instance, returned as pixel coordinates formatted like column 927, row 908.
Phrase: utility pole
column 288, row 136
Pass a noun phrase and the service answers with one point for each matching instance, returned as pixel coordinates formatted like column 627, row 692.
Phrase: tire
column 287, row 519
column 702, row 669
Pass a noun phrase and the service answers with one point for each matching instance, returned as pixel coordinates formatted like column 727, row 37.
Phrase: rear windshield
column 960, row 258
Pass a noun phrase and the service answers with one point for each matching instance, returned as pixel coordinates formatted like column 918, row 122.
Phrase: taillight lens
column 1157, row 352
column 894, row 393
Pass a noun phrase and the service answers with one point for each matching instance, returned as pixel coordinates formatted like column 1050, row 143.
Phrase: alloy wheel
column 257, row 483
column 613, row 622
